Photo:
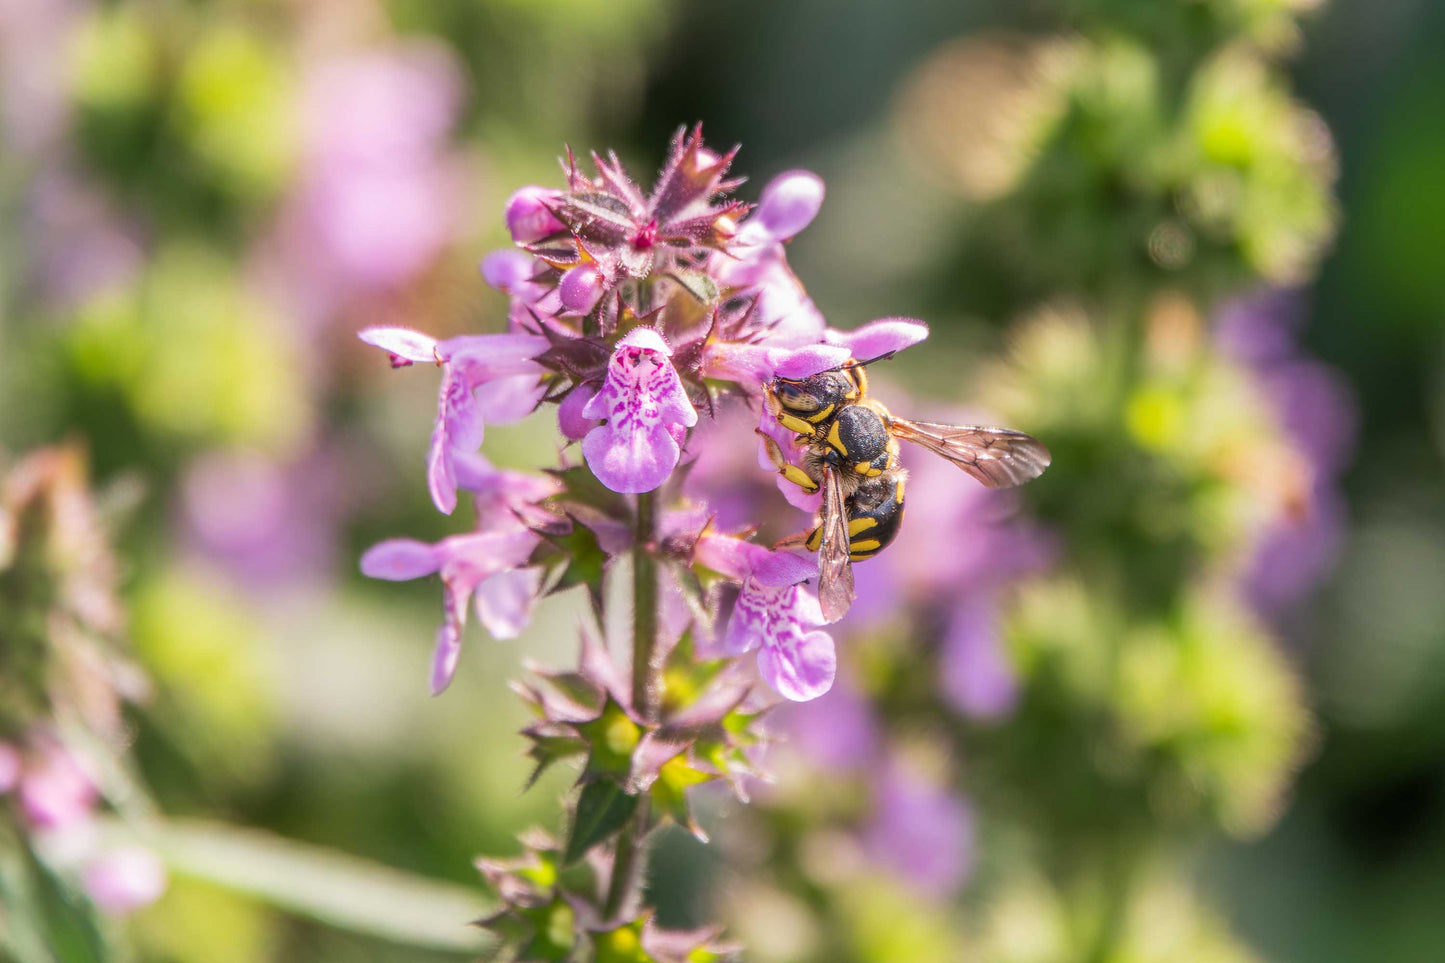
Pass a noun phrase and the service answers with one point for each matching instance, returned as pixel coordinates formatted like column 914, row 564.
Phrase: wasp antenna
column 887, row 356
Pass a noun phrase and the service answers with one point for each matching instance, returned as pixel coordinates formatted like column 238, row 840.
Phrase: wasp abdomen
column 875, row 516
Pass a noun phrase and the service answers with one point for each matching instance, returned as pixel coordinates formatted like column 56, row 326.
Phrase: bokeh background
column 202, row 202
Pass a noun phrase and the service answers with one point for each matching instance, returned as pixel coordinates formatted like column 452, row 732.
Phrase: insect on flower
column 849, row 452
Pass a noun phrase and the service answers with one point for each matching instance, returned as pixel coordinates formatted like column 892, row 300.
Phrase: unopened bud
column 581, row 288
column 789, row 203
column 528, row 217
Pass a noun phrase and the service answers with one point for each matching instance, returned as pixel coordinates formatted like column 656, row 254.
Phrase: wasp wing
column 835, row 571
column 998, row 457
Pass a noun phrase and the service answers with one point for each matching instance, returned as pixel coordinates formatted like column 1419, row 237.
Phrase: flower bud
column 789, row 203
column 573, row 425
column 581, row 288
column 507, row 269
column 527, row 216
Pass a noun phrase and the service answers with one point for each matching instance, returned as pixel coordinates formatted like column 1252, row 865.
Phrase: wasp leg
column 798, row 540
column 791, row 472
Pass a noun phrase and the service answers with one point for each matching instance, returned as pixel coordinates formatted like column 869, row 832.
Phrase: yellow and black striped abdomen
column 875, row 513
column 875, row 516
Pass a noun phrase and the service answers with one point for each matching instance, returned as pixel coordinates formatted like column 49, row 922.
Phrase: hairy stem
column 644, row 610
column 626, row 866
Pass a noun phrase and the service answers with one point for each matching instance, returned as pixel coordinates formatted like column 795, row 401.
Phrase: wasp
column 849, row 446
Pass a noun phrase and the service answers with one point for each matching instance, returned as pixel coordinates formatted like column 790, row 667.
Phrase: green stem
column 644, row 610
column 625, row 867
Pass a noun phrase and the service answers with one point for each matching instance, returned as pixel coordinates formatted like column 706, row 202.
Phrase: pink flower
column 529, row 215
column 647, row 412
column 124, row 880
column 485, row 374
column 483, row 565
column 975, row 674
column 55, row 792
column 486, row 566
column 774, row 615
column 920, row 832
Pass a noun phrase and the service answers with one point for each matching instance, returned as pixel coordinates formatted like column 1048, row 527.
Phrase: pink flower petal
column 446, row 656
column 805, row 362
column 403, row 344
column 799, row 667
column 789, row 203
column 508, row 269
column 631, row 461
column 400, row 560
column 505, row 601
column 878, row 338
column 507, row 401
column 528, row 218
column 124, row 880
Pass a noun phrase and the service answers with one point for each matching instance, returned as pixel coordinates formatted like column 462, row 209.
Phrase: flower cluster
column 63, row 682
column 638, row 316
column 653, row 322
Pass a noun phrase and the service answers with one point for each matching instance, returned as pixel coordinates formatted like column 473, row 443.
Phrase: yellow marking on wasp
column 821, row 414
column 815, row 540
column 898, row 492
column 798, row 477
column 835, row 440
column 866, row 545
column 794, row 423
column 860, row 525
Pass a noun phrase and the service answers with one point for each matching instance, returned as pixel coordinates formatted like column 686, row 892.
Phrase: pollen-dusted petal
column 400, row 560
column 881, row 337
column 789, row 203
column 528, row 215
column 505, row 601
column 403, row 344
column 800, row 667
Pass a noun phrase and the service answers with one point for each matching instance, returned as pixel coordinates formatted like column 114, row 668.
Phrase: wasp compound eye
column 797, row 396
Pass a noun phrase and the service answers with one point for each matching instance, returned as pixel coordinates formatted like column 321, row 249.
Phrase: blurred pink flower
column 975, row 675
column 374, row 201
column 920, row 832
column 55, row 792
column 124, row 880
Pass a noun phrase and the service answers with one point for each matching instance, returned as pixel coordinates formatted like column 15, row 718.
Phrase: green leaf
column 322, row 884
column 581, row 487
column 602, row 810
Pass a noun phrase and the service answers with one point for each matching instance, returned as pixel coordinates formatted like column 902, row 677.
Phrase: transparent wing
column 998, row 457
column 835, row 572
